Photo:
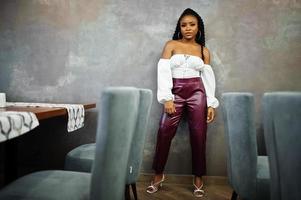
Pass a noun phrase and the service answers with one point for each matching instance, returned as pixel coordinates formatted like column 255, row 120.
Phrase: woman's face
column 189, row 26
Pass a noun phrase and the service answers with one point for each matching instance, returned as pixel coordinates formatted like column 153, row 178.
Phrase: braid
column 199, row 39
column 177, row 34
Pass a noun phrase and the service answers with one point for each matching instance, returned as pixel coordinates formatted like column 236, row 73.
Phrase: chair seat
column 81, row 158
column 51, row 185
column 263, row 177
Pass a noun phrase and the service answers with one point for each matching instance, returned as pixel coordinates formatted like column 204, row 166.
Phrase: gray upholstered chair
column 117, row 121
column 81, row 158
column 282, row 130
column 248, row 173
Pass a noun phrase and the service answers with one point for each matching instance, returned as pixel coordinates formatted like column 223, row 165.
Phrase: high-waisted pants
column 190, row 96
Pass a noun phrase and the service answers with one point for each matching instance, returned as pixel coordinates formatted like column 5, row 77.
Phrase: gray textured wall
column 68, row 51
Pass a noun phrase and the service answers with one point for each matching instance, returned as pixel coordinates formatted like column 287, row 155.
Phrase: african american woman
column 186, row 82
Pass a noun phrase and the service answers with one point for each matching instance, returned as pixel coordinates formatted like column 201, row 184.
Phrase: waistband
column 186, row 80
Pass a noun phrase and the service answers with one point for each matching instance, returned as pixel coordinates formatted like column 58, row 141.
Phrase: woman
column 184, row 60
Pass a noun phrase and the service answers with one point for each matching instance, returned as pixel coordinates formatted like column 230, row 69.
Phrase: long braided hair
column 200, row 37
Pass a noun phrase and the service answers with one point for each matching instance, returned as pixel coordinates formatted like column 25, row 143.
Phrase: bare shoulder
column 171, row 44
column 168, row 49
column 206, row 53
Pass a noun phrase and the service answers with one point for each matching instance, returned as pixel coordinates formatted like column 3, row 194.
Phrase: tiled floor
column 180, row 188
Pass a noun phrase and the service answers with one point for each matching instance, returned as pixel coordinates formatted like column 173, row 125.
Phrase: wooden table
column 11, row 146
column 44, row 112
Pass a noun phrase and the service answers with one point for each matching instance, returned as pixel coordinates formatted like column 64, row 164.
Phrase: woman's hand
column 210, row 114
column 169, row 107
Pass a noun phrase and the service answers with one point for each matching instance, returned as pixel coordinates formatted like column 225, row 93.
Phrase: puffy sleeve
column 164, row 81
column 208, row 79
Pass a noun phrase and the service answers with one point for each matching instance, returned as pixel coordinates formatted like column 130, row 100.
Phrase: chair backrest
column 117, row 120
column 282, row 130
column 137, row 146
column 238, row 113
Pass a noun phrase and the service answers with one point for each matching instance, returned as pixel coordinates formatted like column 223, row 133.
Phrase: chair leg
column 134, row 191
column 127, row 194
column 234, row 195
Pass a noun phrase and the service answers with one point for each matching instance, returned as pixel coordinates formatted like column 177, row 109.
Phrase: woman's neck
column 188, row 41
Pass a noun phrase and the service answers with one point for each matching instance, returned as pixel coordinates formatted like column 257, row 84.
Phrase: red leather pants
column 190, row 96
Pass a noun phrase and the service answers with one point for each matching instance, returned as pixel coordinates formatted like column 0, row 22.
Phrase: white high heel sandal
column 154, row 187
column 198, row 191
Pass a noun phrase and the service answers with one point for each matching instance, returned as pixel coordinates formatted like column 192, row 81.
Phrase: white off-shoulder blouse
column 185, row 66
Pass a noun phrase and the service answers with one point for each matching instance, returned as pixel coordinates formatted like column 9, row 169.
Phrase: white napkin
column 76, row 112
column 13, row 124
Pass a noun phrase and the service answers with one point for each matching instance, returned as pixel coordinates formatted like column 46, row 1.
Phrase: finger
column 210, row 120
column 213, row 115
column 174, row 109
column 209, row 117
